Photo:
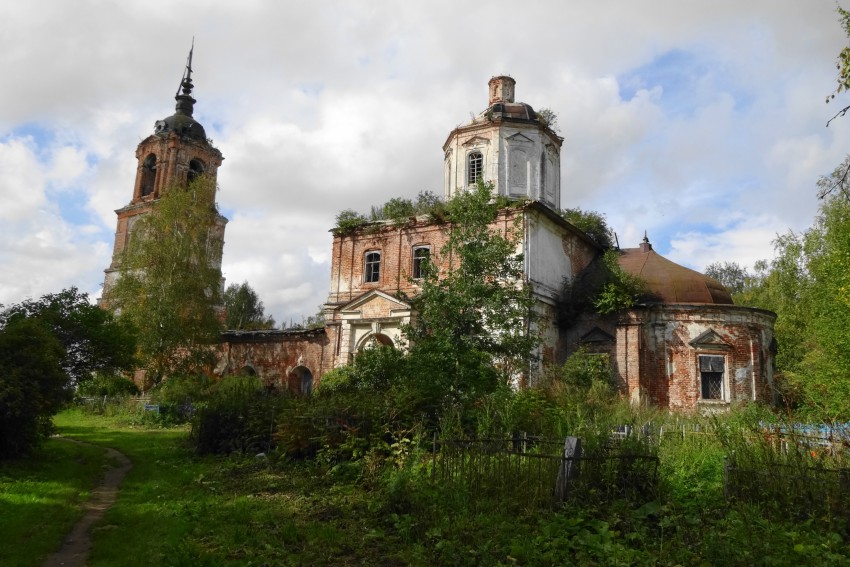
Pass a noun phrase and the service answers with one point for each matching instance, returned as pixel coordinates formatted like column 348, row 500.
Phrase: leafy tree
column 47, row 346
column 603, row 288
column 593, row 224
column 349, row 220
column 170, row 287
column 620, row 289
column 399, row 209
column 842, row 63
column 93, row 340
column 732, row 275
column 33, row 386
column 244, row 308
column 806, row 284
column 826, row 363
column 548, row 117
column 474, row 315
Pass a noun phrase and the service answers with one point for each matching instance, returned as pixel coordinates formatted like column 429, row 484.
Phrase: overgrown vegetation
column 593, row 224
column 397, row 210
column 806, row 284
column 362, row 491
column 603, row 288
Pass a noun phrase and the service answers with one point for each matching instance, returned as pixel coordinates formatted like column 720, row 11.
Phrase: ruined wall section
column 278, row 358
column 395, row 244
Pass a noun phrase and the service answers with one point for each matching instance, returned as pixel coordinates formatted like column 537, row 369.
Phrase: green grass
column 177, row 509
column 41, row 498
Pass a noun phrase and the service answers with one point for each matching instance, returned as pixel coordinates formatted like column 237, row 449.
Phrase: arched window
column 372, row 267
column 421, row 256
column 196, row 169
column 148, row 175
column 375, row 340
column 474, row 167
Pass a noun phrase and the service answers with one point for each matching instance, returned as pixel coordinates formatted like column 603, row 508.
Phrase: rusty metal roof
column 668, row 282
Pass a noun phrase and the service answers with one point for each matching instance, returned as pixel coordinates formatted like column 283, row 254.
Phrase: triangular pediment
column 596, row 336
column 519, row 138
column 476, row 141
column 374, row 303
column 709, row 339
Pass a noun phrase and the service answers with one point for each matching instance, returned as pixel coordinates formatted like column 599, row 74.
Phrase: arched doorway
column 301, row 380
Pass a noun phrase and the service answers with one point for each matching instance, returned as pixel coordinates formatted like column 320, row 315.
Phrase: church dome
column 668, row 282
column 181, row 122
column 182, row 125
column 502, row 105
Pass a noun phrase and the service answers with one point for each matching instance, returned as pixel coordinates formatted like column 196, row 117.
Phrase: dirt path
column 77, row 544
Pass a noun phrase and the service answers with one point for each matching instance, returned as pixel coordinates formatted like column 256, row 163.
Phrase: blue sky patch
column 686, row 79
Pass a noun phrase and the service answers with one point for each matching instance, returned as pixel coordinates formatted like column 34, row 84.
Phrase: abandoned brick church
column 688, row 347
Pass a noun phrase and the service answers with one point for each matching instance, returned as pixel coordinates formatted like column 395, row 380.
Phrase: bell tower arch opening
column 148, row 175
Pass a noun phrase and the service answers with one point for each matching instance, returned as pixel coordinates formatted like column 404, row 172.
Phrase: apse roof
column 667, row 281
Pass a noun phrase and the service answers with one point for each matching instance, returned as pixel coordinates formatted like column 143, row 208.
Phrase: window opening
column 148, row 175
column 711, row 369
column 421, row 256
column 196, row 169
column 475, row 167
column 372, row 271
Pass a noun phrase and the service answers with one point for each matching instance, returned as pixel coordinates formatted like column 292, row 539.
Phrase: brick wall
column 277, row 357
column 655, row 356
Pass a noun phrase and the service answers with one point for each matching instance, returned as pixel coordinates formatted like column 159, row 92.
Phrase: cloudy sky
column 701, row 122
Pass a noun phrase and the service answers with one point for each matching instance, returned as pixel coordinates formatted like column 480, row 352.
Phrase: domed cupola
column 668, row 282
column 506, row 145
column 502, row 105
column 181, row 122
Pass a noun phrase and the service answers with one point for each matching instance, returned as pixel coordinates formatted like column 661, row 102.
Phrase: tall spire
column 185, row 102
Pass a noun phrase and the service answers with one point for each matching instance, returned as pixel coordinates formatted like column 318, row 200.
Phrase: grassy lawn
column 41, row 497
column 177, row 509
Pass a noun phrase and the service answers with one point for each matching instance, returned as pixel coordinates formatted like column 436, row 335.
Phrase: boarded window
column 711, row 368
column 474, row 167
column 372, row 267
column 421, row 255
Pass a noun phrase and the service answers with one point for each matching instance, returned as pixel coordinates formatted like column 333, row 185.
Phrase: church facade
column 686, row 346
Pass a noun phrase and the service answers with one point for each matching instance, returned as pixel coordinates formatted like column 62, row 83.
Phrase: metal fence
column 798, row 490
column 544, row 472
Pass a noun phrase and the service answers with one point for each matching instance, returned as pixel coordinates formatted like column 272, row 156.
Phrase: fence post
column 569, row 469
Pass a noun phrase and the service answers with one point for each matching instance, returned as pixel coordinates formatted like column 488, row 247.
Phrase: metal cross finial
column 186, row 79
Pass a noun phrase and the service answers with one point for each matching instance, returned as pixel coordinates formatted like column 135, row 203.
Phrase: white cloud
column 323, row 106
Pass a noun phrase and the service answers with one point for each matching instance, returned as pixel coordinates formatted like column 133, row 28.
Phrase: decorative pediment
column 476, row 141
column 596, row 336
column 710, row 340
column 519, row 138
column 375, row 304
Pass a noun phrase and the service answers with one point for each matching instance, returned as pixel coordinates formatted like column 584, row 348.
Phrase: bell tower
column 175, row 154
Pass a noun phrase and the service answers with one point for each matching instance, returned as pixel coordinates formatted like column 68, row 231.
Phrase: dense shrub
column 108, row 385
column 33, row 386
column 239, row 416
